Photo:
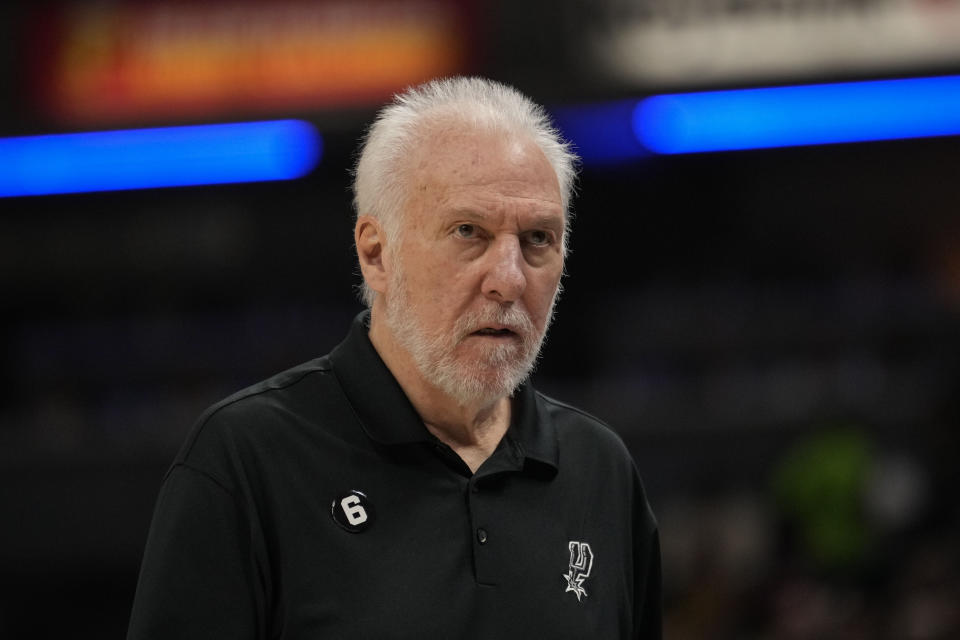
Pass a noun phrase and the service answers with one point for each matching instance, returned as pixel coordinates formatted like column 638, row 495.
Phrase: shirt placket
column 485, row 505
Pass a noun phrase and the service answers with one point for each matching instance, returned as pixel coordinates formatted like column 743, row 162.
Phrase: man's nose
column 505, row 279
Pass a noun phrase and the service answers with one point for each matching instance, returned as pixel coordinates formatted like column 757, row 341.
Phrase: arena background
column 773, row 332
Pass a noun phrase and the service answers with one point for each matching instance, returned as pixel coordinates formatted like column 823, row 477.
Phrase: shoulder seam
column 570, row 407
column 206, row 474
column 249, row 393
column 242, row 395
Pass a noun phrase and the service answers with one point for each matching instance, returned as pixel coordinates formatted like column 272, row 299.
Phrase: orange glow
column 174, row 59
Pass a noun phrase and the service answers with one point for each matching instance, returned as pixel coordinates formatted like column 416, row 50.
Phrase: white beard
column 496, row 374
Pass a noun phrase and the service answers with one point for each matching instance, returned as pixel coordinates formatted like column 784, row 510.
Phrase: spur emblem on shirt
column 581, row 562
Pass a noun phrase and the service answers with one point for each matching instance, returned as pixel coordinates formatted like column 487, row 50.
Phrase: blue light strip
column 602, row 134
column 161, row 157
column 799, row 115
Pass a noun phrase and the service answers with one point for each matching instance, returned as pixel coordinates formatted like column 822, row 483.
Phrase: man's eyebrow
column 549, row 222
column 544, row 220
column 471, row 214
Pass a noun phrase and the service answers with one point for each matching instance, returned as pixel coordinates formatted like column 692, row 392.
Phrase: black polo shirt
column 259, row 531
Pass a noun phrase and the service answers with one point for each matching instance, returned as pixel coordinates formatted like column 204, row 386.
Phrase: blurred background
column 773, row 331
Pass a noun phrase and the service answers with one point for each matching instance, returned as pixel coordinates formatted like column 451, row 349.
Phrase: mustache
column 512, row 317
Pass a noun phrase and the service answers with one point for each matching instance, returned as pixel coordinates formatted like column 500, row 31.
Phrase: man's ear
column 370, row 240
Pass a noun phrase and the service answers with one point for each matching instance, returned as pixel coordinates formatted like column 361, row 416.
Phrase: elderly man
column 411, row 484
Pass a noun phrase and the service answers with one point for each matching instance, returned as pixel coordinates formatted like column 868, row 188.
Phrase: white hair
column 476, row 103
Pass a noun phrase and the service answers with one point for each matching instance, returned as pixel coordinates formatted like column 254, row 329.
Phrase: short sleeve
column 199, row 578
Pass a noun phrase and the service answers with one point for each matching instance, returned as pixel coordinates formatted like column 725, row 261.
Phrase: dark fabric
column 244, row 543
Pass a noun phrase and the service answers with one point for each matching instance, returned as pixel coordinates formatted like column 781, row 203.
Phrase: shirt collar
column 378, row 400
column 531, row 428
column 388, row 417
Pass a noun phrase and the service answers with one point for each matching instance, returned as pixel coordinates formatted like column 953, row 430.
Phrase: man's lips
column 495, row 332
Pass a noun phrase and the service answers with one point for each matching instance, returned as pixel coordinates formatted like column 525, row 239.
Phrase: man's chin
column 479, row 395
column 478, row 381
column 495, row 378
column 492, row 365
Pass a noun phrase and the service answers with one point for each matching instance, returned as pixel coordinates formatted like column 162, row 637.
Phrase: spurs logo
column 581, row 561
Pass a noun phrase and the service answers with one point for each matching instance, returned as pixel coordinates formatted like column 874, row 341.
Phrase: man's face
column 476, row 273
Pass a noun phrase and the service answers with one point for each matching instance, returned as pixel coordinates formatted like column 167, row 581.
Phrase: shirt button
column 482, row 535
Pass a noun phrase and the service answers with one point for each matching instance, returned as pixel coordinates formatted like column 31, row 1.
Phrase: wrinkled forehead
column 455, row 156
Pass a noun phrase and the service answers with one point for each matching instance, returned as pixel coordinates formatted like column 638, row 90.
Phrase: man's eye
column 538, row 238
column 467, row 231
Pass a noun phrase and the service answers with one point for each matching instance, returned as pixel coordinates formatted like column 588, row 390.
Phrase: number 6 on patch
column 352, row 511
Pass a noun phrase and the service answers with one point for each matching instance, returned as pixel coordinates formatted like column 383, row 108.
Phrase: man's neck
column 472, row 430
